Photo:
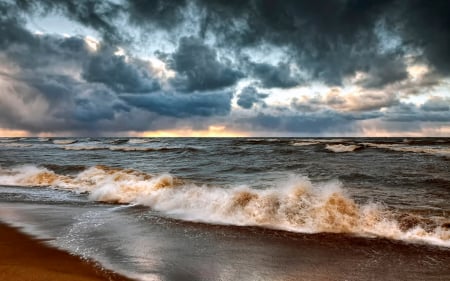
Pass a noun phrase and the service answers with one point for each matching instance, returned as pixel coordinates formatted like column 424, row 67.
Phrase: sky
column 222, row 68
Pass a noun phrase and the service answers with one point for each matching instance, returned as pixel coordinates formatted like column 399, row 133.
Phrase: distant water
column 134, row 203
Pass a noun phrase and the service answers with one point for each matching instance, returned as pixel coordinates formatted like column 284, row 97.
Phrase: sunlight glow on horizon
column 7, row 133
column 212, row 132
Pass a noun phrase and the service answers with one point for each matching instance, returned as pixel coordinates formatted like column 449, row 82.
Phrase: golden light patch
column 7, row 133
column 417, row 71
column 92, row 43
column 213, row 131
column 159, row 68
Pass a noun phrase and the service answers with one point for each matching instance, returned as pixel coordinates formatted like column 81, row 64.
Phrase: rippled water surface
column 237, row 208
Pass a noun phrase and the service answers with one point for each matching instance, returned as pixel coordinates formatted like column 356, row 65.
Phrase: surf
column 295, row 204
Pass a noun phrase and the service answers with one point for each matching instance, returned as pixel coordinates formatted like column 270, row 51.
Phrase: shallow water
column 229, row 209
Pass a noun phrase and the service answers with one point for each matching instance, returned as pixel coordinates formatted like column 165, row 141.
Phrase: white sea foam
column 140, row 141
column 135, row 148
column 294, row 205
column 341, row 147
column 7, row 140
column 65, row 141
column 14, row 144
column 434, row 150
column 128, row 148
column 262, row 140
column 304, row 143
column 328, row 140
column 85, row 147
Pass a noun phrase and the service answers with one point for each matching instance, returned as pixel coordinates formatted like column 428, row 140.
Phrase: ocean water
column 237, row 208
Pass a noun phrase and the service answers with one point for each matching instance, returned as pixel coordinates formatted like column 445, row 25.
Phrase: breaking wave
column 140, row 141
column 304, row 143
column 295, row 205
column 129, row 148
column 65, row 141
column 86, row 147
column 14, row 144
column 7, row 140
column 43, row 139
column 342, row 147
column 434, row 150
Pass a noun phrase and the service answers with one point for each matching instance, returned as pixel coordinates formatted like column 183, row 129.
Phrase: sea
column 236, row 208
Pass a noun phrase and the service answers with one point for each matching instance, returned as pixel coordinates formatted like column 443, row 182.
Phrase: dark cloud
column 122, row 76
column 383, row 71
column 436, row 104
column 330, row 40
column 250, row 96
column 46, row 50
column 311, row 105
column 61, row 84
column 335, row 39
column 11, row 30
column 98, row 15
column 271, row 76
column 160, row 13
column 199, row 67
column 407, row 112
column 33, row 52
column 56, row 103
column 68, row 86
column 204, row 104
column 310, row 123
column 426, row 25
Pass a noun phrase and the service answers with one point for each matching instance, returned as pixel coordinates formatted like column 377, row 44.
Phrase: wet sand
column 25, row 258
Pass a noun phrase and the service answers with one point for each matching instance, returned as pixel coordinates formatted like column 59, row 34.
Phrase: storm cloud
column 181, row 105
column 250, row 96
column 199, row 68
column 310, row 66
column 113, row 70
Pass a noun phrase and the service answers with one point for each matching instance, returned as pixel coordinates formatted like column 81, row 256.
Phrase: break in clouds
column 259, row 67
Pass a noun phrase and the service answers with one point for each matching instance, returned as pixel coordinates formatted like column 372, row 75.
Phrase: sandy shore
column 25, row 258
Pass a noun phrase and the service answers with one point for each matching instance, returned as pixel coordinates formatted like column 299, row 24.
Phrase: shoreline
column 23, row 257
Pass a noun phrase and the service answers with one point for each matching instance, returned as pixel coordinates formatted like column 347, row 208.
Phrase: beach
column 357, row 209
column 23, row 257
column 186, row 251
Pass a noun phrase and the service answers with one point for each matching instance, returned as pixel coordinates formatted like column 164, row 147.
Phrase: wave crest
column 433, row 150
column 342, row 147
column 295, row 205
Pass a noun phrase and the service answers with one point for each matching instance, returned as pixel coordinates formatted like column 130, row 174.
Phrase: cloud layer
column 293, row 67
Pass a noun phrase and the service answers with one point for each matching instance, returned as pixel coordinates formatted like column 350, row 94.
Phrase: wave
column 130, row 148
column 7, row 140
column 434, row 150
column 262, row 140
column 117, row 141
column 295, row 205
column 141, row 141
column 328, row 140
column 15, row 144
column 143, row 148
column 342, row 148
column 304, row 143
column 86, row 147
column 65, row 141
